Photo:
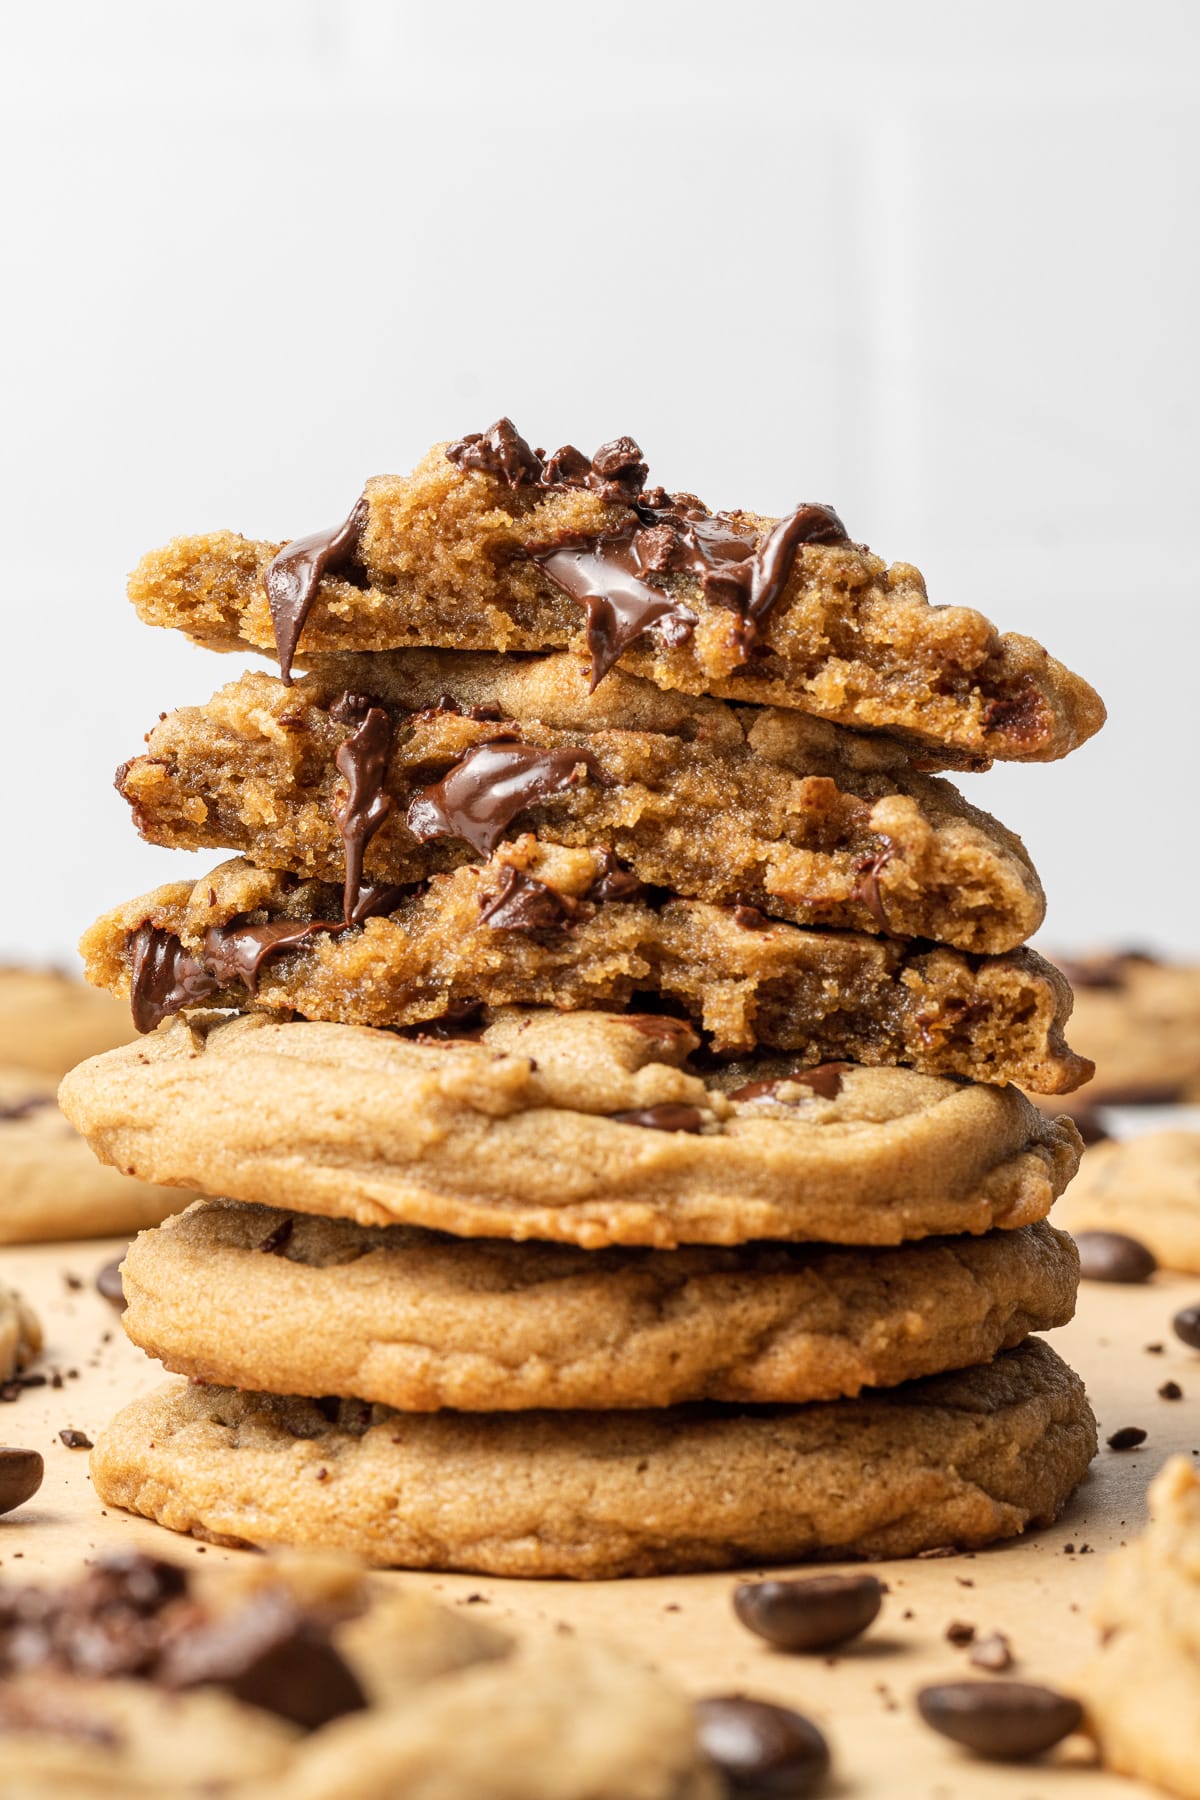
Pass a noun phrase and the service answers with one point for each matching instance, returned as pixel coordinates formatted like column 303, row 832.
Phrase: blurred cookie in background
column 1147, row 1188
column 1138, row 1018
column 52, row 1185
column 50, row 1020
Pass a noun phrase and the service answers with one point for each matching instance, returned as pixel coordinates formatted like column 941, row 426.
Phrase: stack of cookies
column 602, row 1049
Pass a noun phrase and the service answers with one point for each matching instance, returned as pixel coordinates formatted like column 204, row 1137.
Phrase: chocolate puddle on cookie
column 293, row 576
column 483, row 793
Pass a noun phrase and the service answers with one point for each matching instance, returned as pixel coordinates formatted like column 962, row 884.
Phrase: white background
column 934, row 261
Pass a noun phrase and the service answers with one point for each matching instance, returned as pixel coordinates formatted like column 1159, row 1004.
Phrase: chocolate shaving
column 236, row 953
column 481, row 795
column 522, row 903
column 499, row 451
column 363, row 760
column 292, row 579
column 615, row 881
column 277, row 1240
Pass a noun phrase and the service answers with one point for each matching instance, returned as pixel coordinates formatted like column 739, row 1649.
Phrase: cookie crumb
column 1129, row 1437
column 1170, row 1390
column 959, row 1633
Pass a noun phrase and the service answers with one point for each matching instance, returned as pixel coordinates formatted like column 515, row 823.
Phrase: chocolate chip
column 75, row 1440
column 959, row 1633
column 1186, row 1325
column 761, row 1749
column 1170, row 1390
column 278, row 1238
column 522, row 903
column 811, row 1614
column 20, row 1476
column 1127, row 1438
column 1003, row 1720
column 667, row 1116
column 993, row 1652
column 1112, row 1256
column 108, row 1283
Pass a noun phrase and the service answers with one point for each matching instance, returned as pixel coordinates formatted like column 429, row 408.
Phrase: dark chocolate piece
column 668, row 1115
column 277, row 1240
column 363, row 760
column 615, row 881
column 75, row 1440
column 1170, row 1390
column 236, row 953
column 607, row 575
column 267, row 1654
column 762, row 1749
column 21, row 1474
column 164, row 977
column 1112, row 1256
column 108, row 1283
column 292, row 578
column 499, row 451
column 1005, row 1721
column 481, row 795
column 522, row 903
column 1186, row 1325
column 825, row 1080
column 1129, row 1437
column 813, row 1614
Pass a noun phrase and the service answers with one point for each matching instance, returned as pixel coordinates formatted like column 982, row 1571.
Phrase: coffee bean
column 1112, row 1256
column 761, row 1750
column 1187, row 1325
column 20, row 1476
column 108, row 1284
column 1004, row 1720
column 1127, row 1438
column 809, row 1615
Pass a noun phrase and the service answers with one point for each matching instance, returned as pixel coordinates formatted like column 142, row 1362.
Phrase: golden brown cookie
column 296, row 1675
column 52, row 1185
column 488, row 551
column 419, row 1321
column 590, row 1127
column 1147, row 1187
column 734, row 805
column 960, row 1459
column 1142, row 1689
column 533, row 926
column 1138, row 1019
column 49, row 1021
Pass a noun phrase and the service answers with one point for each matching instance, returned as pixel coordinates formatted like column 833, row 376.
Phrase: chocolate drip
column 608, row 575
column 825, row 1081
column 375, row 899
column 292, row 578
column 165, row 977
column 277, row 1240
column 363, row 760
column 482, row 795
column 521, row 903
column 668, row 1115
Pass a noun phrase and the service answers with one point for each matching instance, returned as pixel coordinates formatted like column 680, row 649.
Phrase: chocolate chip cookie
column 590, row 1128
column 419, row 1321
column 1142, row 1689
column 535, row 925
column 297, row 1675
column 52, row 1185
column 489, row 545
column 49, row 1021
column 1147, row 1187
column 400, row 766
column 1138, row 1019
column 962, row 1459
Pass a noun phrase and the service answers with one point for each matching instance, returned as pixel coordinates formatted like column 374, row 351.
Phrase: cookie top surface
column 536, row 925
column 958, row 1459
column 449, row 753
column 419, row 1321
column 514, row 1133
column 465, row 554
column 297, row 1673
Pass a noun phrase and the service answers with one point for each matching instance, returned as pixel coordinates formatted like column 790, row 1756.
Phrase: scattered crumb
column 959, row 1633
column 993, row 1653
column 74, row 1282
column 1170, row 1390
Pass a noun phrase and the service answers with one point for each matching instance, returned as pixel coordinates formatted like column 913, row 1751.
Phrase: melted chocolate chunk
column 825, row 1081
column 522, row 903
column 668, row 1115
column 164, row 977
column 277, row 1240
column 363, row 760
column 481, row 795
column 499, row 451
column 236, row 953
column 292, row 579
column 608, row 576
column 615, row 881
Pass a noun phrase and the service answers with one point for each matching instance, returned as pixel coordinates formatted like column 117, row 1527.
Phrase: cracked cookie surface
column 463, row 556
column 757, row 806
column 962, row 1459
column 531, row 926
column 590, row 1128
